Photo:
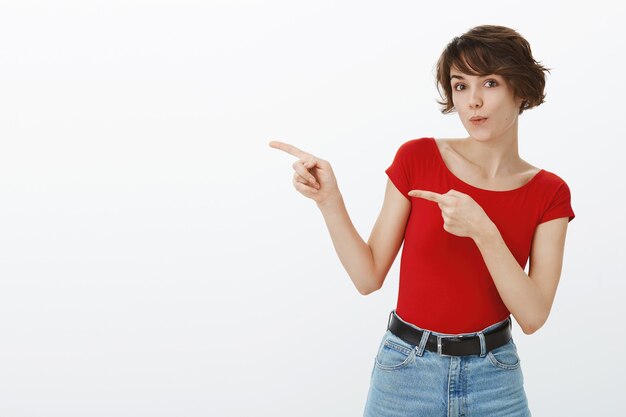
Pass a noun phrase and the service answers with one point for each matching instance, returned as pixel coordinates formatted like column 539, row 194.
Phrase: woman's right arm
column 367, row 264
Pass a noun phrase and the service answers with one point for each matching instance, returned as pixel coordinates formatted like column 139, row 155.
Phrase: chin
column 480, row 136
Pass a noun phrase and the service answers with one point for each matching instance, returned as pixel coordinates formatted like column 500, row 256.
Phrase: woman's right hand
column 313, row 176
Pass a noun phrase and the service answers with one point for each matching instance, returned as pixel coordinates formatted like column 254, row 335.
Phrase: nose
column 475, row 100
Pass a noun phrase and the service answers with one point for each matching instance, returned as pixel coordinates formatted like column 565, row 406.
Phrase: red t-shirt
column 445, row 285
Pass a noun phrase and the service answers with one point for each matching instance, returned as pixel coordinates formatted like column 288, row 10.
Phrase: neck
column 495, row 156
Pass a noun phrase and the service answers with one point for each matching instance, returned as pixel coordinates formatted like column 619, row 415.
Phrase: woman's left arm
column 528, row 297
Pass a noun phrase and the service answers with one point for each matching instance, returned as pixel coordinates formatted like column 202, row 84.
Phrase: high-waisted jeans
column 408, row 380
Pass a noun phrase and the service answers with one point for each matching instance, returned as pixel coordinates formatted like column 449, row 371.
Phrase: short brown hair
column 490, row 49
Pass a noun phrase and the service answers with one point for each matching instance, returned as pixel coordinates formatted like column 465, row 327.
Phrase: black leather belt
column 452, row 345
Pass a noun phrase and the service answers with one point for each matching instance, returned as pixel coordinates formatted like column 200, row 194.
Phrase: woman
column 470, row 212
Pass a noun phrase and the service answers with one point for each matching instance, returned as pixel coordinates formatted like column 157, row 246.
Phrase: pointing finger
column 290, row 149
column 428, row 195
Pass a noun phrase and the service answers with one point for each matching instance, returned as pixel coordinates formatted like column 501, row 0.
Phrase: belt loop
column 483, row 347
column 419, row 349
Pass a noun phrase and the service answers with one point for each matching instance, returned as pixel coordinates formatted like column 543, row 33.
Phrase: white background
column 155, row 259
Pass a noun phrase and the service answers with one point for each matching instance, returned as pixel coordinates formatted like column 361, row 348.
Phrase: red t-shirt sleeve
column 559, row 206
column 399, row 172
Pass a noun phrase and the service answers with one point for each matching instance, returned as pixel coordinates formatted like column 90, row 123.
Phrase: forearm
column 518, row 292
column 354, row 253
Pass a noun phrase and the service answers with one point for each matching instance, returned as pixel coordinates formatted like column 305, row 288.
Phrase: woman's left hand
column 462, row 216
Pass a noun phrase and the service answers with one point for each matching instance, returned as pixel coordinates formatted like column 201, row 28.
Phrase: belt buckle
column 439, row 338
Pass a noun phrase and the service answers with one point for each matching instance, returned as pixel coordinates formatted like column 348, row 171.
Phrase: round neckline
column 451, row 174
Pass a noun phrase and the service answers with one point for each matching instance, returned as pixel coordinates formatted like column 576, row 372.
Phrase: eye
column 463, row 85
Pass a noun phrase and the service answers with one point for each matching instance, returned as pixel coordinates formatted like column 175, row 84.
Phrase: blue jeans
column 408, row 380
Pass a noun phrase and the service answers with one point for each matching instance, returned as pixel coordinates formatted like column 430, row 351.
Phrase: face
column 486, row 96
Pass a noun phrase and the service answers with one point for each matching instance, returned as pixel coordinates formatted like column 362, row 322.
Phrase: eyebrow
column 461, row 78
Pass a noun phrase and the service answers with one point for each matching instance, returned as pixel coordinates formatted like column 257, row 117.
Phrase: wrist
column 330, row 202
column 486, row 233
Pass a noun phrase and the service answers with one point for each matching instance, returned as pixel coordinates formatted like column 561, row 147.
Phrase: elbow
column 529, row 330
column 532, row 327
column 366, row 290
column 535, row 321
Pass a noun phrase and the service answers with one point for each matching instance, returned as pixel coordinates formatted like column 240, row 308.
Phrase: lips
column 478, row 120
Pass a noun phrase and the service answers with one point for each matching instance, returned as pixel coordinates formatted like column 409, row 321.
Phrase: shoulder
column 415, row 146
column 555, row 197
column 552, row 179
column 414, row 156
column 553, row 189
column 418, row 142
